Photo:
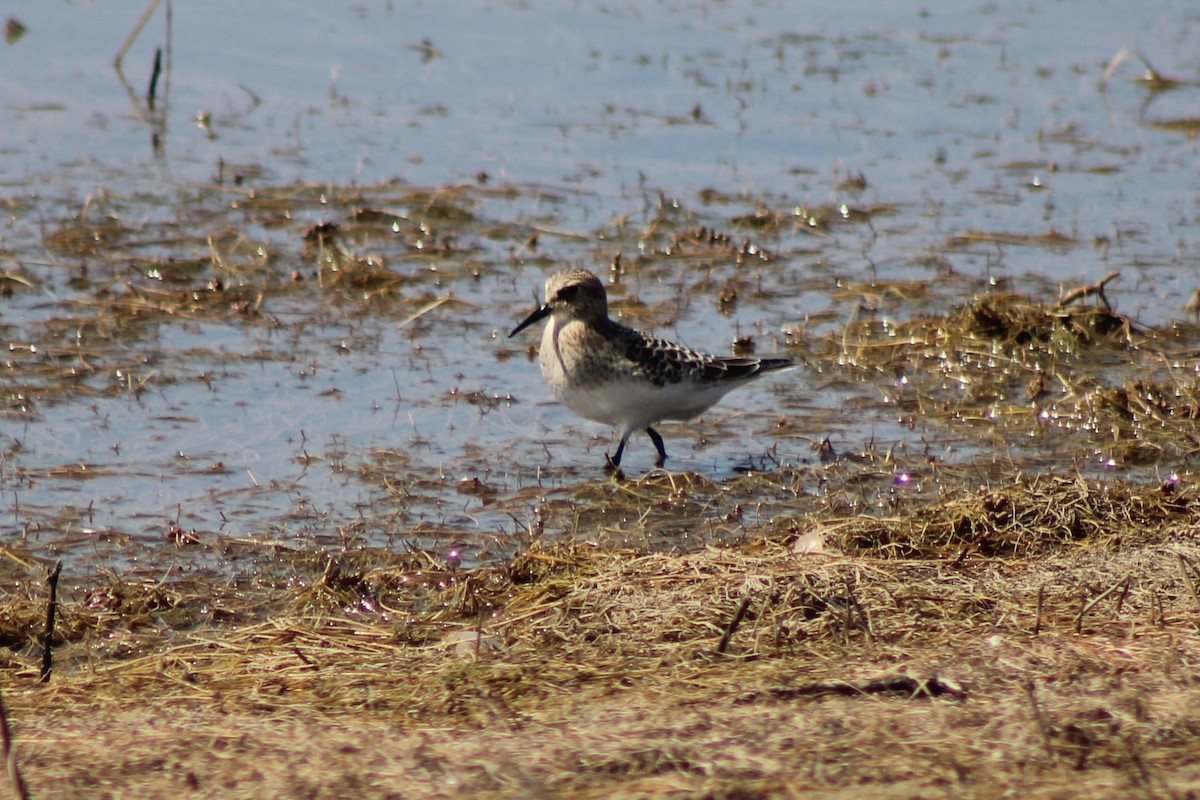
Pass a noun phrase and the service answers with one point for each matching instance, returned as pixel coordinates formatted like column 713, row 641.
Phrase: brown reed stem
column 732, row 627
column 51, row 611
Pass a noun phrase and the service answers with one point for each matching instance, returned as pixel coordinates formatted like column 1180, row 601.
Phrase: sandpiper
column 606, row 372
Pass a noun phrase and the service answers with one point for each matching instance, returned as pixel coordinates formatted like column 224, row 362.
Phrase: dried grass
column 1065, row 635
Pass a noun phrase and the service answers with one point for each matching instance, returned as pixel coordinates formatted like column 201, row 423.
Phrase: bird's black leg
column 615, row 461
column 658, row 445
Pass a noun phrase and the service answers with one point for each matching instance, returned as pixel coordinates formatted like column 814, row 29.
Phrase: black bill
column 538, row 314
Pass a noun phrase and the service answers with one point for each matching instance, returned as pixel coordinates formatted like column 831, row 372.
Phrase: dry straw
column 593, row 671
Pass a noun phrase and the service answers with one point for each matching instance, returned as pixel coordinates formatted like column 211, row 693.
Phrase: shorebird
column 609, row 373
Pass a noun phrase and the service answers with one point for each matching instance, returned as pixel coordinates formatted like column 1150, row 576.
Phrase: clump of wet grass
column 88, row 235
column 1036, row 371
column 1024, row 519
column 1015, row 329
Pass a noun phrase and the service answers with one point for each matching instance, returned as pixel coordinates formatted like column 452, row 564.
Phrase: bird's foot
column 613, row 468
column 658, row 446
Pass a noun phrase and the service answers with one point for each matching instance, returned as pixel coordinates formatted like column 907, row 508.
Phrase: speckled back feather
column 662, row 362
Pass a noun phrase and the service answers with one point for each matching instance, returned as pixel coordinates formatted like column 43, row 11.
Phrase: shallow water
column 605, row 122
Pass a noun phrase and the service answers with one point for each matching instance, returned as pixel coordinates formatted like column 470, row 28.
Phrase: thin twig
column 1124, row 582
column 1124, row 594
column 1096, row 288
column 155, row 71
column 1041, row 599
column 732, row 627
column 962, row 557
column 425, row 309
column 912, row 688
column 51, row 609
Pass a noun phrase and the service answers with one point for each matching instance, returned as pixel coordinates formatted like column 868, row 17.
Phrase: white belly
column 631, row 406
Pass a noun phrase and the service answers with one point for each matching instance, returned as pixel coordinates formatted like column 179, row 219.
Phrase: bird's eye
column 567, row 293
